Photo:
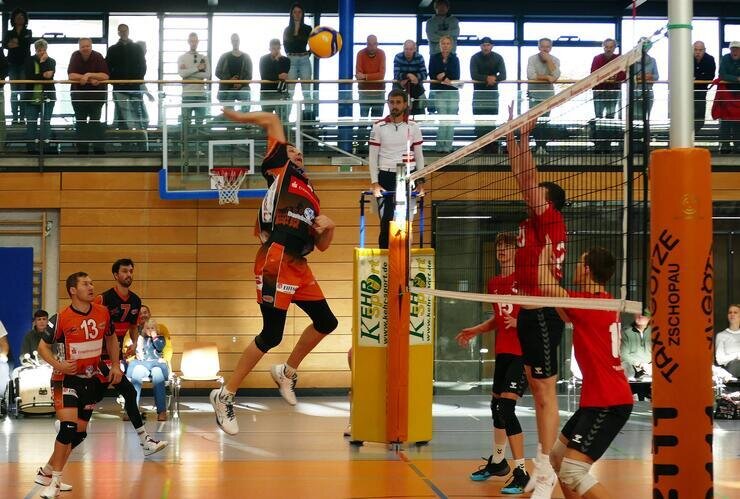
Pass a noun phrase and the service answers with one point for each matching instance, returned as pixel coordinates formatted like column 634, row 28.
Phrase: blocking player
column 289, row 226
column 124, row 306
column 606, row 399
column 76, row 383
column 509, row 381
column 540, row 329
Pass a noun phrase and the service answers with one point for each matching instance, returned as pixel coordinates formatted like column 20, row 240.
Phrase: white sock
column 47, row 469
column 143, row 434
column 499, row 452
column 225, row 395
column 288, row 371
column 56, row 475
column 520, row 464
column 543, row 461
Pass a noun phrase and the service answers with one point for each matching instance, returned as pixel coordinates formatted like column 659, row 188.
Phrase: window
column 581, row 31
column 66, row 28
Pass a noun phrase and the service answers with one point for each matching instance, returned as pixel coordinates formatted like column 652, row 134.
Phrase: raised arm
column 523, row 166
column 269, row 121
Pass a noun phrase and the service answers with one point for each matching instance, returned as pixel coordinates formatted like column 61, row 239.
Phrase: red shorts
column 282, row 278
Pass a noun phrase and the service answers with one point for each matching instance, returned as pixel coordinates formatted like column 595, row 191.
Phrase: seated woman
column 150, row 362
column 727, row 343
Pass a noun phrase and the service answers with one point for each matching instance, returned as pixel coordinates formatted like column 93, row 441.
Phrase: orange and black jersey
column 78, row 336
column 124, row 312
column 290, row 205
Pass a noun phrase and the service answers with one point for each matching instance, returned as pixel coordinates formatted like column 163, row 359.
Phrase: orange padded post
column 681, row 301
column 397, row 413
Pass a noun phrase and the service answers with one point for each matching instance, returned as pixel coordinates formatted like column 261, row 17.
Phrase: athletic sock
column 288, row 371
column 520, row 464
column 224, row 395
column 56, row 474
column 143, row 434
column 543, row 460
column 47, row 469
column 499, row 452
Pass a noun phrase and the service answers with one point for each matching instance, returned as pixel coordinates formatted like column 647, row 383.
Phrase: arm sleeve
column 422, row 69
column 454, row 31
column 556, row 73
column 374, row 154
column 431, row 30
column 656, row 75
column 531, row 70
column 434, row 70
column 397, row 68
column 159, row 344
column 417, row 145
column 142, row 64
column 595, row 64
column 624, row 349
column 49, row 335
column 221, row 68
column 724, row 71
column 712, row 69
column 501, row 75
column 248, row 75
column 453, row 73
column 475, row 71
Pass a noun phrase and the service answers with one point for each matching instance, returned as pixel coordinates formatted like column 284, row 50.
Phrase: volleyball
column 324, row 41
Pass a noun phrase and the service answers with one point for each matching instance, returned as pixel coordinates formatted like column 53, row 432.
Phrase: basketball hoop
column 228, row 181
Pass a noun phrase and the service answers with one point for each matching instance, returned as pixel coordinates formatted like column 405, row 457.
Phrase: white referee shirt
column 389, row 143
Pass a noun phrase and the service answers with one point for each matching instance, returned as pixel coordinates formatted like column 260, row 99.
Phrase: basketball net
column 228, row 181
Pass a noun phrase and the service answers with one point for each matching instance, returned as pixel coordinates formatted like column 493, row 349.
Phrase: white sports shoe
column 45, row 480
column 225, row 417
column 151, row 446
column 286, row 385
column 52, row 490
column 542, row 481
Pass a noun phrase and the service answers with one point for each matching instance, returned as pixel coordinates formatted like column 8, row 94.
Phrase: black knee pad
column 67, row 432
column 78, row 438
column 326, row 325
column 507, row 410
column 498, row 422
column 268, row 338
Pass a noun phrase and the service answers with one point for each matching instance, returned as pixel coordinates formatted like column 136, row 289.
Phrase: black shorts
column 540, row 331
column 76, row 392
column 508, row 374
column 591, row 430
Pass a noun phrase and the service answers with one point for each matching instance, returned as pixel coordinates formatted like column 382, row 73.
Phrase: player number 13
column 91, row 329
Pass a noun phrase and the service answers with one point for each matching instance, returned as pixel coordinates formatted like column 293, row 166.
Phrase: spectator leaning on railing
column 410, row 70
column 487, row 68
column 544, row 68
column 444, row 68
column 126, row 62
column 40, row 97
column 274, row 69
column 370, row 66
column 192, row 65
column 728, row 95
column 704, row 70
column 234, row 65
column 88, row 69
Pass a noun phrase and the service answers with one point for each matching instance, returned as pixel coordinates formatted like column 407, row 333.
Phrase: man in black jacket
column 487, row 68
column 126, row 62
column 32, row 338
column 704, row 70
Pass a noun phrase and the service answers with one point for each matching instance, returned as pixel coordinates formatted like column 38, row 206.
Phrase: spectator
column 31, row 340
column 545, row 68
column 192, row 65
column 651, row 75
column 729, row 73
column 410, row 70
column 440, row 24
column 126, row 62
column 704, row 70
column 607, row 94
column 4, row 354
column 88, row 68
column 389, row 145
column 234, row 65
column 151, row 363
column 370, row 66
column 40, row 97
column 487, row 68
column 727, row 343
column 295, row 39
column 636, row 348
column 444, row 67
column 275, row 69
column 18, row 42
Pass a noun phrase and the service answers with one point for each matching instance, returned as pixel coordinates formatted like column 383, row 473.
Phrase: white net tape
column 228, row 182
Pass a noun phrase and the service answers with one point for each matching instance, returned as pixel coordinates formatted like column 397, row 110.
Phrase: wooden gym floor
column 299, row 452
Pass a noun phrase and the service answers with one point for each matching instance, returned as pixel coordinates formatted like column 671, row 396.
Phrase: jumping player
column 289, row 226
column 76, row 383
column 124, row 306
column 509, row 382
column 540, row 329
column 606, row 399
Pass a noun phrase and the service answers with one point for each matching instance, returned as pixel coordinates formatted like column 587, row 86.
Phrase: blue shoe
column 517, row 482
column 490, row 469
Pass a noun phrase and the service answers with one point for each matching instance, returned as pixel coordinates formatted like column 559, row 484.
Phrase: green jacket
column 634, row 349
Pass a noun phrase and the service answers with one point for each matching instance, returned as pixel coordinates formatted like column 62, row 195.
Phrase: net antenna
column 476, row 191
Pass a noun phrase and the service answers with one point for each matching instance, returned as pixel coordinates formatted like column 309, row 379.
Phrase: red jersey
column 531, row 240
column 290, row 205
column 507, row 340
column 596, row 341
column 79, row 337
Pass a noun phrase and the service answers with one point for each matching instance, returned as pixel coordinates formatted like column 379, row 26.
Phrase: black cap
column 486, row 39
